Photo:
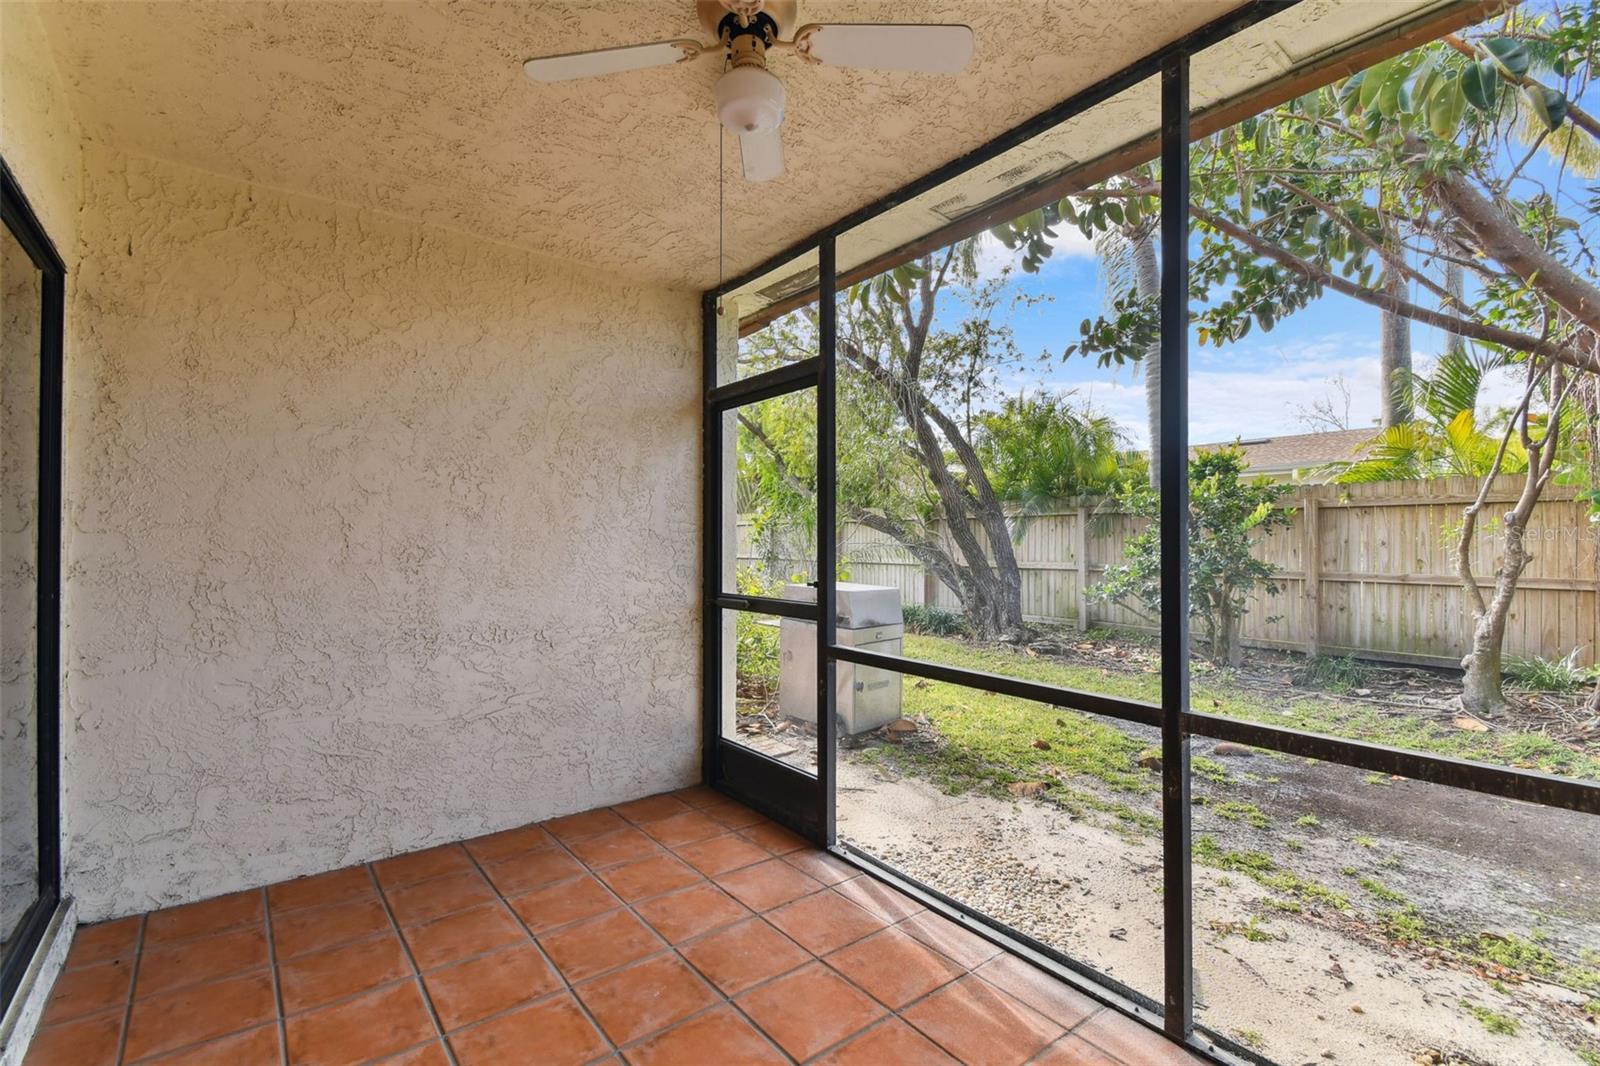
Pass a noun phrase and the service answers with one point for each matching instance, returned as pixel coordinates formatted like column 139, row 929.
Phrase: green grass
column 1261, row 869
column 1499, row 1024
column 1381, row 890
column 1234, row 811
column 1319, row 714
column 1087, row 763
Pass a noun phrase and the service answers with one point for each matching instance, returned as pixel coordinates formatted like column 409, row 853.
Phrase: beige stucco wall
column 377, row 535
column 380, row 537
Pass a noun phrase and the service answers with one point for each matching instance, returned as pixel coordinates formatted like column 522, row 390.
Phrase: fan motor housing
column 781, row 12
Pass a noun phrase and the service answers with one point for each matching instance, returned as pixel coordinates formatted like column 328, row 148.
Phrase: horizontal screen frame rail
column 1529, row 786
column 1123, row 710
column 779, row 381
column 805, row 610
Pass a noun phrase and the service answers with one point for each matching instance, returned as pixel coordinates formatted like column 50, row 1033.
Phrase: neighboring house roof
column 1284, row 455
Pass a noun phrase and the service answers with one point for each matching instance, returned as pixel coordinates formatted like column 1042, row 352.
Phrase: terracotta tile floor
column 681, row 928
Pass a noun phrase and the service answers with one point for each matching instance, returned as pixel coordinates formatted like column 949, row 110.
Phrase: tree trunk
column 1147, row 278
column 1481, row 692
column 1231, row 647
column 1395, row 364
column 1455, row 284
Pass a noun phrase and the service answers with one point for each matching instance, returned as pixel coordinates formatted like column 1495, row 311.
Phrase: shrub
column 935, row 621
column 1539, row 674
column 1332, row 674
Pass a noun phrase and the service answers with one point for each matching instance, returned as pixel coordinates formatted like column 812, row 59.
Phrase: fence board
column 1364, row 569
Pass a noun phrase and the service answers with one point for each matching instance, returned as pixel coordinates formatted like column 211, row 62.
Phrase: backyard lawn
column 991, row 739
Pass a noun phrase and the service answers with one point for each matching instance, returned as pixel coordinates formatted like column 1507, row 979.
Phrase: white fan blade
column 762, row 155
column 888, row 46
column 608, row 60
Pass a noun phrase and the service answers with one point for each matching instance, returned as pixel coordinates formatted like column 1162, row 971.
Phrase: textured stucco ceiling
column 421, row 109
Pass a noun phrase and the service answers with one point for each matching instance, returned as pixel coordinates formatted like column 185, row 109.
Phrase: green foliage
column 934, row 621
column 1041, row 447
column 755, row 649
column 1337, row 674
column 1445, row 438
column 1228, row 515
column 1335, row 175
column 1404, row 924
column 1539, row 674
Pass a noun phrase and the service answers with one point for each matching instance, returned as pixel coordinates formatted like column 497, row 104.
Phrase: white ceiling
column 421, row 109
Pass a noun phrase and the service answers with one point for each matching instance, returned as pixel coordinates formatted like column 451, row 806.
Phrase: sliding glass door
column 31, row 290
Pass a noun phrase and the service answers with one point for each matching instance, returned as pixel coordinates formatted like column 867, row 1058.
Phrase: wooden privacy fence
column 1366, row 570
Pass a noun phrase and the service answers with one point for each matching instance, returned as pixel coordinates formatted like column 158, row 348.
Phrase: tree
column 1354, row 188
column 926, row 455
column 1043, row 447
column 1228, row 515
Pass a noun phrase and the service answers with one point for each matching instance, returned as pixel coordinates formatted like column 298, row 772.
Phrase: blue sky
column 1254, row 388
column 1258, row 387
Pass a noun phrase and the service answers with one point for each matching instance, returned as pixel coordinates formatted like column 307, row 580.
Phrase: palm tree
column 1443, row 437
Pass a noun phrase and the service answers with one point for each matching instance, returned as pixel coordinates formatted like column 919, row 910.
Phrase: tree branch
column 1515, row 250
column 1385, row 253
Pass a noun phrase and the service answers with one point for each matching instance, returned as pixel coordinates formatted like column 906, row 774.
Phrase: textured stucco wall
column 380, row 536
column 40, row 135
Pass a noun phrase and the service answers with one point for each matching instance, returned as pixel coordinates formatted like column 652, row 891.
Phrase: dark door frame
column 19, row 217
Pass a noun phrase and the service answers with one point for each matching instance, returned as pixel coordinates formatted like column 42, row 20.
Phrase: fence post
column 1311, row 557
column 930, row 588
column 1080, row 553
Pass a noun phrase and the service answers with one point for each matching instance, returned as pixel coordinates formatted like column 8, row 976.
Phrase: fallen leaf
column 1042, row 745
column 1471, row 725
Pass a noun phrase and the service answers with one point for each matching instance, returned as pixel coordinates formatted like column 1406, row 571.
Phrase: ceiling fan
column 750, row 98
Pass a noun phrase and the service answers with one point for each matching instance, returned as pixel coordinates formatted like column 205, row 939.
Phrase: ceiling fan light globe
column 750, row 100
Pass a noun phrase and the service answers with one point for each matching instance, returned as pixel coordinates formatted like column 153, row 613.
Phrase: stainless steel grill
column 868, row 617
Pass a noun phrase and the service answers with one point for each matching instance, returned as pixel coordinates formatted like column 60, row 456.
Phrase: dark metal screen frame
column 785, row 796
column 18, row 216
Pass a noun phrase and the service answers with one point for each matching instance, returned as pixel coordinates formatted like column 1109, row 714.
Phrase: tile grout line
column 566, row 985
column 133, row 980
column 416, row 972
column 755, row 915
column 672, row 948
column 568, row 988
column 277, row 984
